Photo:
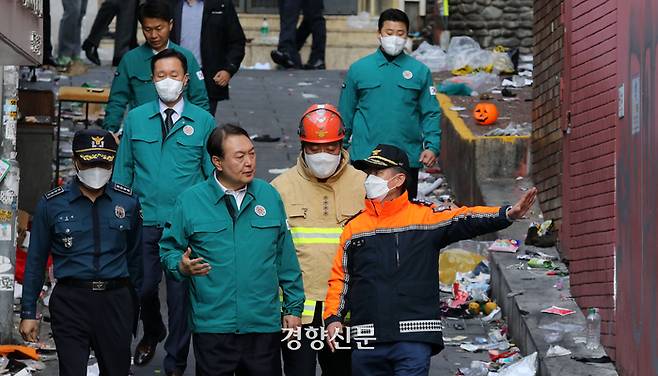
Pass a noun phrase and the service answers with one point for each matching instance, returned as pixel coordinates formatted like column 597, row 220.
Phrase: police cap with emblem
column 384, row 156
column 94, row 145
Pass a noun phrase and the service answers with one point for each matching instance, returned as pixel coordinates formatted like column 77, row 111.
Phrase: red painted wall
column 637, row 190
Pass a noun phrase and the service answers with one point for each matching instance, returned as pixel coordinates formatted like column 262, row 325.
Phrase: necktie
column 169, row 121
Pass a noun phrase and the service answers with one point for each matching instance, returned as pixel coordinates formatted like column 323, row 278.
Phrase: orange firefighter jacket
column 385, row 272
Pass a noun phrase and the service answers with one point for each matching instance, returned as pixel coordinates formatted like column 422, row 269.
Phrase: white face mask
column 169, row 89
column 376, row 188
column 322, row 165
column 94, row 178
column 392, row 44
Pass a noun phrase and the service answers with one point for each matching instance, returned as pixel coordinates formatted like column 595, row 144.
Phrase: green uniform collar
column 381, row 60
column 147, row 52
column 219, row 193
column 188, row 111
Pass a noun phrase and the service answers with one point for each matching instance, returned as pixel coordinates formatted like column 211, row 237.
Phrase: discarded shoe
column 532, row 235
column 266, row 138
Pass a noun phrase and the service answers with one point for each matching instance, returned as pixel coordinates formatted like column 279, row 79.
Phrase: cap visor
column 97, row 156
column 366, row 164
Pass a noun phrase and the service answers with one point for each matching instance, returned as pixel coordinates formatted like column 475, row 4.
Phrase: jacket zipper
column 397, row 250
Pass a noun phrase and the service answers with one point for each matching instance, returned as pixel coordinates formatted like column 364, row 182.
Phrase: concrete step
column 254, row 21
column 333, row 39
column 357, row 38
column 344, row 44
column 337, row 56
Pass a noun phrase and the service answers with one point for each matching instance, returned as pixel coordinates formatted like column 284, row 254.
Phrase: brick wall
column 546, row 144
column 586, row 212
column 589, row 177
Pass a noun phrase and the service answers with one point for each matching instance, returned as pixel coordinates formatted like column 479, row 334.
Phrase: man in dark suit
column 217, row 41
column 125, row 35
column 292, row 37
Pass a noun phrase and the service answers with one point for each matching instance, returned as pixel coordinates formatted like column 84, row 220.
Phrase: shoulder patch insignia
column 352, row 217
column 54, row 192
column 123, row 189
column 422, row 202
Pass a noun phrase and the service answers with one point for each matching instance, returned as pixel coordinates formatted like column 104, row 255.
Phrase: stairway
column 344, row 43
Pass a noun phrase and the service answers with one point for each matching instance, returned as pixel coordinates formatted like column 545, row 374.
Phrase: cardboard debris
column 28, row 352
column 558, row 311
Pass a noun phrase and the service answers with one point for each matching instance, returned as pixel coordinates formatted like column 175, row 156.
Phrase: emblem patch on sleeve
column 199, row 75
column 432, row 90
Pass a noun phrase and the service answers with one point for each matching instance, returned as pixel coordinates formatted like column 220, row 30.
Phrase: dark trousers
column 100, row 320
column 213, row 106
column 292, row 39
column 47, row 42
column 302, row 362
column 393, row 359
column 254, row 354
column 412, row 184
column 177, row 344
column 126, row 26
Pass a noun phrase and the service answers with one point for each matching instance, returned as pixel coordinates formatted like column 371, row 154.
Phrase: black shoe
column 49, row 61
column 318, row 65
column 145, row 349
column 91, row 52
column 532, row 235
column 116, row 61
column 282, row 58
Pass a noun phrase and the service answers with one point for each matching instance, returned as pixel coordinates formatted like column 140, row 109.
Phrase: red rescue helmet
column 321, row 124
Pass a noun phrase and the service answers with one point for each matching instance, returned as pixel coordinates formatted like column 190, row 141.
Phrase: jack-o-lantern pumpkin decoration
column 485, row 113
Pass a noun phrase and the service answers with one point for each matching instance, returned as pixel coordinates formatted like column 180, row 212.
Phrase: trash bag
column 452, row 261
column 502, row 63
column 458, row 44
column 513, row 129
column 465, row 56
column 480, row 82
column 524, row 367
column 481, row 60
column 432, row 56
column 452, row 88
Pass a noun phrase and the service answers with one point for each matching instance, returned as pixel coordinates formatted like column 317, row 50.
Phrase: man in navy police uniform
column 93, row 228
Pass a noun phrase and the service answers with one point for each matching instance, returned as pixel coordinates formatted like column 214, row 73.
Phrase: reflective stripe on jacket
column 385, row 272
column 316, row 213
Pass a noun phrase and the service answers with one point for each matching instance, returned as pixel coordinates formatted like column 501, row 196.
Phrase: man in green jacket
column 229, row 237
column 133, row 85
column 162, row 153
column 388, row 97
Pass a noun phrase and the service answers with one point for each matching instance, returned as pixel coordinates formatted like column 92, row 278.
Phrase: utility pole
column 9, row 179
